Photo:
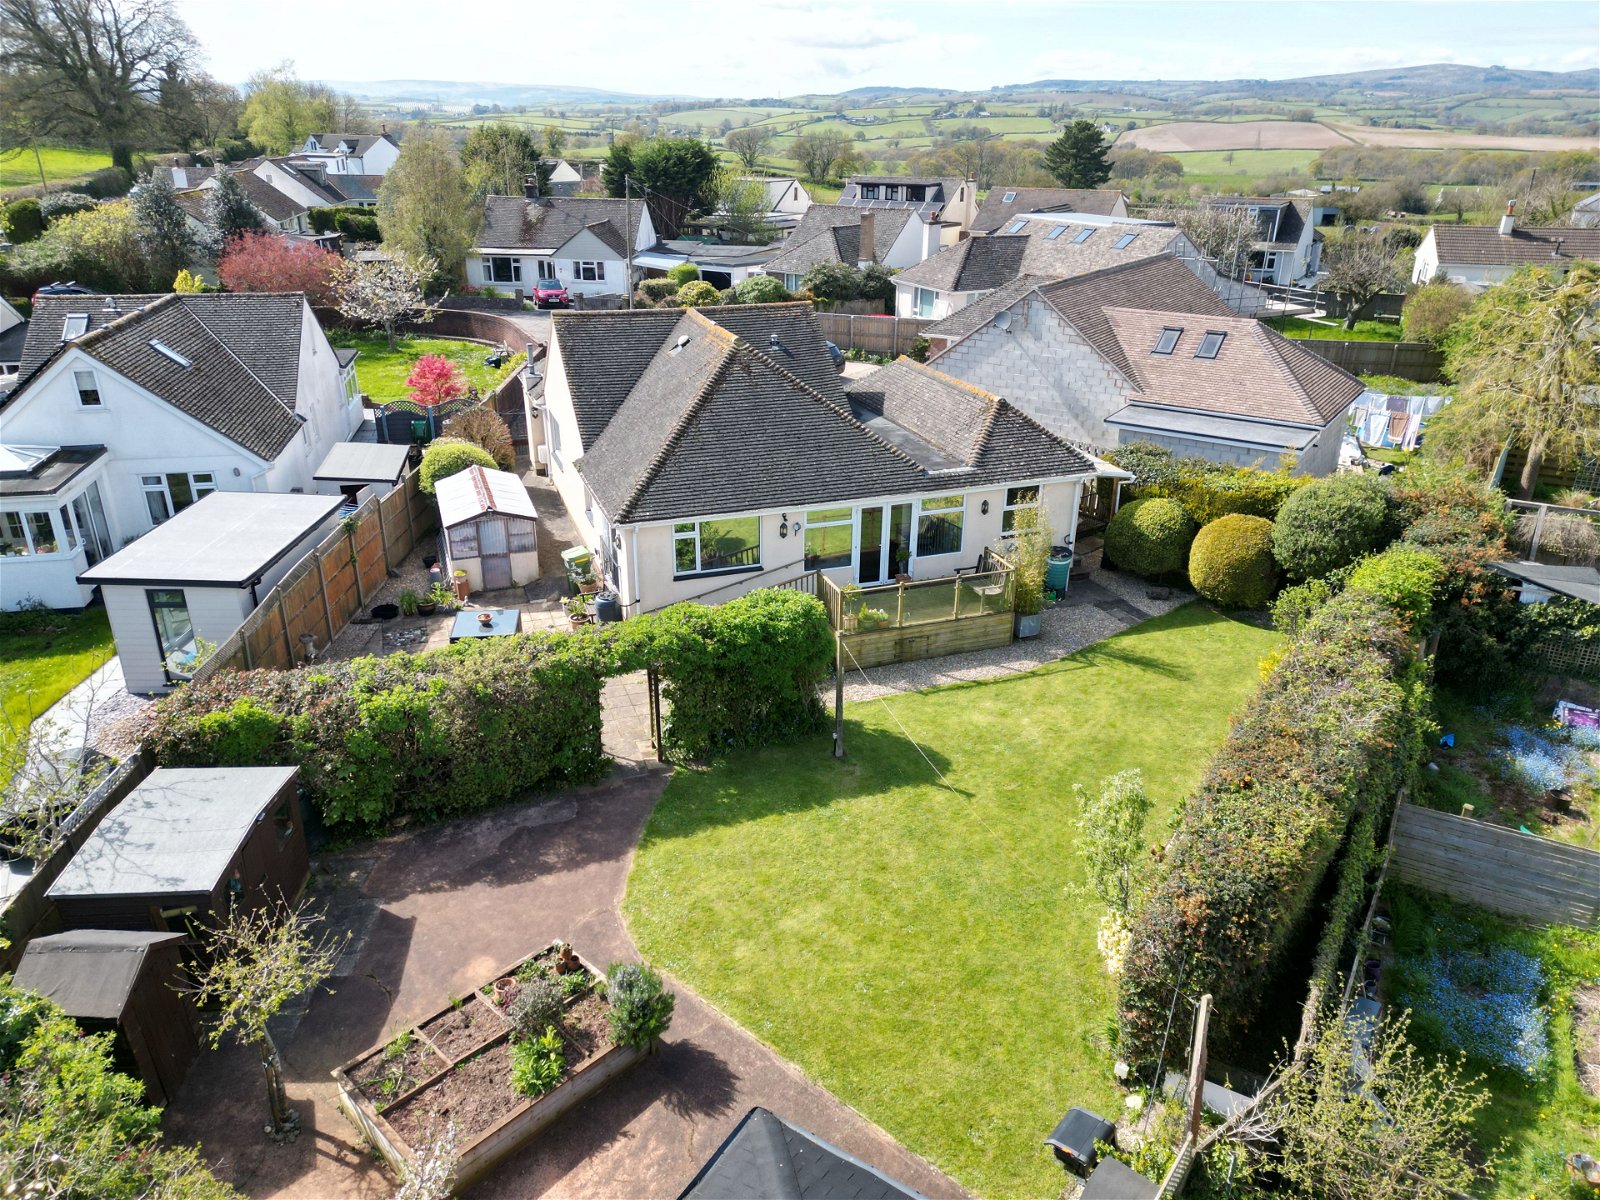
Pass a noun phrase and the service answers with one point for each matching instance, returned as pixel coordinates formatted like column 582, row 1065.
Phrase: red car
column 547, row 293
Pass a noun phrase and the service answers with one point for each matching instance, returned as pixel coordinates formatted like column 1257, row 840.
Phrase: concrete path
column 435, row 912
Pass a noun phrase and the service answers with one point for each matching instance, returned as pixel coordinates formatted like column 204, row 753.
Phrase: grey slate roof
column 975, row 265
column 174, row 834
column 275, row 204
column 517, row 223
column 997, row 260
column 767, row 1158
column 982, row 310
column 996, row 211
column 832, row 233
column 719, row 421
column 1482, row 245
column 244, row 350
column 90, row 973
column 1578, row 582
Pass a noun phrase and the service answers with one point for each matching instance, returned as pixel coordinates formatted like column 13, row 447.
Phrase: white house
column 950, row 204
column 13, row 333
column 131, row 408
column 1483, row 255
column 786, row 199
column 1004, row 204
column 704, row 453
column 830, row 233
column 1289, row 250
column 352, row 153
column 580, row 242
column 1146, row 352
column 198, row 577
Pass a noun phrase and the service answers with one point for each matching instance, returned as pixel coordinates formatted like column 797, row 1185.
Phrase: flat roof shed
column 181, row 844
column 363, row 462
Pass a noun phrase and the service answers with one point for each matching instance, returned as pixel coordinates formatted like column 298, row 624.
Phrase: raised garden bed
column 455, row 1065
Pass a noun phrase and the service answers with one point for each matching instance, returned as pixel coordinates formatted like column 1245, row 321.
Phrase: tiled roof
column 1256, row 373
column 1030, row 250
column 243, row 350
column 975, row 265
column 832, row 233
column 275, row 204
column 516, row 223
column 1482, row 245
column 721, row 421
column 767, row 1156
column 996, row 210
column 982, row 310
column 360, row 143
column 357, row 189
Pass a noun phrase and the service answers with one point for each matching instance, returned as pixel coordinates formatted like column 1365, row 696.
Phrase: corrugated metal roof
column 173, row 834
column 90, row 973
column 479, row 490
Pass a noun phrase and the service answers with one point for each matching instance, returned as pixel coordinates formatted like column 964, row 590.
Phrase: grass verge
column 43, row 656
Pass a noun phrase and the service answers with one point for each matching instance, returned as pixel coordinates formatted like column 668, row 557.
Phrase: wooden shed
column 124, row 982
column 181, row 845
column 489, row 526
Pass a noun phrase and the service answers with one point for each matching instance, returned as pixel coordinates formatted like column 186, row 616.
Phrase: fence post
column 838, row 694
column 288, row 641
column 1538, row 533
column 411, row 525
column 383, row 539
column 1197, row 1066
column 322, row 586
column 355, row 564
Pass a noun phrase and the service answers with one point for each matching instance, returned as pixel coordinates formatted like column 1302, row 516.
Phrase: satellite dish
column 1002, row 322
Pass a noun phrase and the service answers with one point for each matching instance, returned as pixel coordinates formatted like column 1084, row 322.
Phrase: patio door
column 885, row 544
column 494, row 553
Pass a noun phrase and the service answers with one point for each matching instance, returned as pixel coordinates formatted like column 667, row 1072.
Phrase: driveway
column 434, row 912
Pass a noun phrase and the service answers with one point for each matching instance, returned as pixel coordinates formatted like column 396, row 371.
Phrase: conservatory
column 53, row 524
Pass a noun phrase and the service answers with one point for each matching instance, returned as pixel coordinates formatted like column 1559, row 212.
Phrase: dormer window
column 1083, row 235
column 1210, row 344
column 88, row 385
column 1167, row 342
column 1017, row 227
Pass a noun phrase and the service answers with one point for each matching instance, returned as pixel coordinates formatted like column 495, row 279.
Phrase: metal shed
column 490, row 528
column 126, row 983
column 183, row 844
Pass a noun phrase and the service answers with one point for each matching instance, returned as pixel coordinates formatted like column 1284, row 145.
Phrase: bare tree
column 256, row 962
column 1223, row 235
column 1357, row 267
column 818, row 152
column 749, row 143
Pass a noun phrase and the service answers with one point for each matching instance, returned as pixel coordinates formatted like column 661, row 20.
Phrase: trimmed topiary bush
column 641, row 1006
column 697, row 293
column 658, row 289
column 684, row 272
column 1329, row 524
column 1150, row 537
column 1231, row 562
column 1406, row 577
column 445, row 457
column 22, row 220
column 761, row 289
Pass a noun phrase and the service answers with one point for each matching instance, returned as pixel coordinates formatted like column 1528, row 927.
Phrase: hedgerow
column 1207, row 490
column 1335, row 730
column 1405, row 576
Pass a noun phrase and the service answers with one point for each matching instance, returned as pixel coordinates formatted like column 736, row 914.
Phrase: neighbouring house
column 1484, row 255
column 565, row 179
column 128, row 983
column 1002, row 205
column 13, row 333
column 277, row 209
column 949, row 204
column 835, row 233
column 721, row 264
column 194, row 579
column 351, row 153
column 1289, row 250
column 768, row 1156
column 786, row 199
column 490, row 528
column 1051, row 246
column 580, row 242
column 130, row 408
column 704, row 453
column 184, row 847
column 1146, row 352
column 1585, row 213
column 308, row 182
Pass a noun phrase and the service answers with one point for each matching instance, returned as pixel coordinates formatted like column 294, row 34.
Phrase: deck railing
column 914, row 602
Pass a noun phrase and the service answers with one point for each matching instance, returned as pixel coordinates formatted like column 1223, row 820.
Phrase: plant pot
column 462, row 589
column 426, row 608
column 588, row 587
column 505, row 991
column 486, row 619
column 579, row 618
column 1027, row 625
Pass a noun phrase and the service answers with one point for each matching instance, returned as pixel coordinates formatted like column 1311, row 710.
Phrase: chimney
column 530, row 187
column 384, row 127
column 1509, row 221
column 868, row 251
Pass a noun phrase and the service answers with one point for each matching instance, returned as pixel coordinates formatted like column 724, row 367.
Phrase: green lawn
column 916, row 951
column 381, row 372
column 43, row 656
column 1365, row 331
column 19, row 168
column 1534, row 1122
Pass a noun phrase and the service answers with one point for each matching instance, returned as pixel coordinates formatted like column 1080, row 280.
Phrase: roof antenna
column 111, row 304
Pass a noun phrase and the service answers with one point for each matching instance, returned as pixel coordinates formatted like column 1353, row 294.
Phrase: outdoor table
column 506, row 622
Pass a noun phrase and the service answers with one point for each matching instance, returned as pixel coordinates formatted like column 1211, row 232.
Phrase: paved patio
column 436, row 911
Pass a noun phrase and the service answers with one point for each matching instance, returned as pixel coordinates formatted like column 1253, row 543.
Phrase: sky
column 746, row 48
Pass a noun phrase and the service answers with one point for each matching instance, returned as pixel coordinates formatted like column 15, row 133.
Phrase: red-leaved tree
column 435, row 380
column 267, row 262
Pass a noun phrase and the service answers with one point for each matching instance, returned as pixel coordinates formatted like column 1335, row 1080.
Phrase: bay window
column 830, row 538
column 939, row 520
column 705, row 547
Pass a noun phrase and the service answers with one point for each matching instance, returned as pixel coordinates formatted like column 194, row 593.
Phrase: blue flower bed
column 1486, row 1004
column 1542, row 760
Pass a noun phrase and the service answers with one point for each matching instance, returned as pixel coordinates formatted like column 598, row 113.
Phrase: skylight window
column 167, row 351
column 1008, row 198
column 1017, row 227
column 1055, row 232
column 1125, row 241
column 75, row 326
column 1210, row 344
column 1084, row 235
column 1167, row 342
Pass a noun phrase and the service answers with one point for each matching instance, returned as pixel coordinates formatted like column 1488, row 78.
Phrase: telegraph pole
column 628, row 233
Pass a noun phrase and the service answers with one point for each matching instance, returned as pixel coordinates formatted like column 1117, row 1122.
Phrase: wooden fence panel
column 1519, row 874
column 872, row 335
column 1408, row 360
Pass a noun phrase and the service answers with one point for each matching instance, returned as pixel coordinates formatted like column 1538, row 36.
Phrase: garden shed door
column 495, row 553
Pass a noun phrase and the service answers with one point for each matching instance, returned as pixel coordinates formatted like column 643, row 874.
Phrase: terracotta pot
column 462, row 589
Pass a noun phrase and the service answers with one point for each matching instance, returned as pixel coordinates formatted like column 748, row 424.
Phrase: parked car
column 547, row 293
column 65, row 289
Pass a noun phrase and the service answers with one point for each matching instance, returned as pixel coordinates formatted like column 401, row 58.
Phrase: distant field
column 1232, row 135
column 18, row 168
column 1254, row 163
column 1449, row 139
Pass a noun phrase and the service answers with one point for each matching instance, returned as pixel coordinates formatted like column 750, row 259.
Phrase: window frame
column 940, row 511
column 1008, row 198
column 200, row 484
column 463, row 540
column 93, row 389
column 491, row 272
column 828, row 518
column 1083, row 235
column 547, row 269
column 153, row 604
column 1011, row 505
column 1124, row 241
column 1055, row 232
column 18, row 527
column 589, row 270
column 1016, row 227
column 1221, row 335
column 1161, row 338
column 917, row 296
column 689, row 533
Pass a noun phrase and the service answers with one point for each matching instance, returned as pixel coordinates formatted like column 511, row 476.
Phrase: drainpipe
column 633, row 567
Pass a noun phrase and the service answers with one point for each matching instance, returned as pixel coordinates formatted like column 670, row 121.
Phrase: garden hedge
column 472, row 725
column 1335, row 730
column 1150, row 537
column 761, row 289
column 445, row 457
column 1207, row 490
column 697, row 293
column 1407, row 577
column 355, row 222
column 1330, row 523
column 1231, row 562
